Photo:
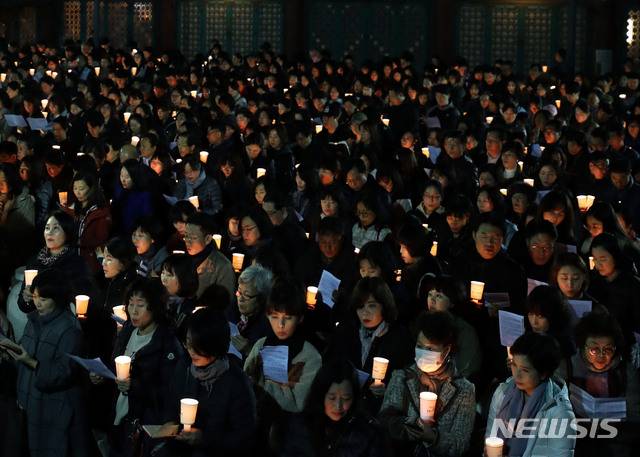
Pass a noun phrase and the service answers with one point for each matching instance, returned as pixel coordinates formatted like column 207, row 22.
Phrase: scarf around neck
column 46, row 259
column 366, row 339
column 207, row 376
column 201, row 256
column 191, row 188
column 433, row 381
column 516, row 405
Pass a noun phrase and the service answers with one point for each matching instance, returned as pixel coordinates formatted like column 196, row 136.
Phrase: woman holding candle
column 285, row 311
column 147, row 238
column 375, row 333
column 256, row 229
column 134, row 198
column 155, row 353
column 225, row 421
column 59, row 253
column 556, row 207
column 49, row 386
column 333, row 423
column 430, row 210
column 533, row 393
column 434, row 371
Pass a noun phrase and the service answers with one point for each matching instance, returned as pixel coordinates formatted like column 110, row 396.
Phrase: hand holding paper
column 511, row 327
column 275, row 363
column 327, row 286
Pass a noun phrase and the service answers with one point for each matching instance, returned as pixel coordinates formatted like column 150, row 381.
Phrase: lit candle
column 544, row 68
column 176, row 252
column 204, row 156
column 44, row 102
column 379, row 370
column 82, row 304
column 97, row 70
column 622, row 96
column 195, row 201
column 32, row 71
column 260, row 172
column 62, row 197
column 425, row 152
column 477, row 289
column 529, row 182
column 237, row 260
column 489, row 119
column 127, row 115
column 29, row 275
column 386, row 121
column 585, row 202
column 218, row 239
column 306, row 234
column 135, row 140
column 120, row 312
column 312, row 292
column 3, row 77
column 426, row 227
column 493, row 446
column 558, row 102
column 398, row 275
column 194, row 93
column 520, row 165
column 356, row 251
column 123, row 364
column 318, row 128
column 503, row 191
column 188, row 410
column 197, row 308
column 434, row 249
column 592, row 262
column 134, row 71
column 428, row 406
column 56, row 146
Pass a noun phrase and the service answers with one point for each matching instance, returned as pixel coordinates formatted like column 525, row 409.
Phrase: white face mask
column 428, row 361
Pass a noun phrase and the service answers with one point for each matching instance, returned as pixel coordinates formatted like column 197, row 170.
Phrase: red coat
column 94, row 231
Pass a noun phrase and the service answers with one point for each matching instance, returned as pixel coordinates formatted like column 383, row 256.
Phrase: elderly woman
column 601, row 368
column 254, row 287
column 533, row 393
column 49, row 389
column 434, row 371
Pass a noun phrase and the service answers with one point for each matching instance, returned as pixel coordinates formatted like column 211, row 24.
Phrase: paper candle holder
column 428, row 406
column 477, row 289
column 218, row 239
column 312, row 296
column 82, row 304
column 237, row 260
column 29, row 276
column 188, row 411
column 123, row 366
column 379, row 370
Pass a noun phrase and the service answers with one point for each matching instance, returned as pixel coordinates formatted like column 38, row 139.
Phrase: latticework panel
column 339, row 28
column 537, row 33
column 117, row 18
column 143, row 23
column 471, row 24
column 242, row 28
column 216, row 23
column 27, row 25
column 633, row 34
column 504, row 33
column 188, row 29
column 270, row 26
column 581, row 37
column 72, row 19
column 89, row 19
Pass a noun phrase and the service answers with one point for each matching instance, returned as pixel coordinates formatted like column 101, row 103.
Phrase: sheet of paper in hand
column 15, row 120
column 275, row 363
column 161, row 431
column 579, row 308
column 38, row 123
column 327, row 286
column 94, row 366
column 363, row 377
column 511, row 327
column 585, row 405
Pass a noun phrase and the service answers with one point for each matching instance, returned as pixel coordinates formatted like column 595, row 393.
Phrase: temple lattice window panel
column 632, row 35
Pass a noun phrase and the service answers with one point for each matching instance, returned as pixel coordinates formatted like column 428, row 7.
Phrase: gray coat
column 51, row 394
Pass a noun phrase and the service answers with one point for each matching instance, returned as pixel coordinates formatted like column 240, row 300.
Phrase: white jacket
column 556, row 406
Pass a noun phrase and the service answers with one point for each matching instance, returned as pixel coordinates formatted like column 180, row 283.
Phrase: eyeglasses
column 541, row 247
column 606, row 351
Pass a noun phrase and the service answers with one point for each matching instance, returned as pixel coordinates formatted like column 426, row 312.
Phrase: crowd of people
column 266, row 236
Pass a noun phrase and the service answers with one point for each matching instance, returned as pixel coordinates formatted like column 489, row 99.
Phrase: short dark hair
column 542, row 351
column 548, row 302
column 490, row 219
column 570, row 259
column 152, row 226
column 542, row 227
column 598, row 324
column 333, row 371
column 379, row 290
column 68, row 225
column 181, row 265
column 287, row 297
column 123, row 250
column 437, row 327
column 610, row 243
column 378, row 254
column 209, row 332
column 202, row 221
column 216, row 297
column 414, row 237
column 153, row 292
column 52, row 283
column 448, row 285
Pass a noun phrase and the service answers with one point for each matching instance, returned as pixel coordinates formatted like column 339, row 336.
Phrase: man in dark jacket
column 458, row 167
